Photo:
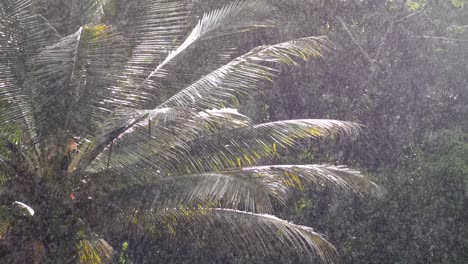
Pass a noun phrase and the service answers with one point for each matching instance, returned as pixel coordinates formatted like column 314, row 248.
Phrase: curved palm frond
column 246, row 73
column 26, row 30
column 162, row 129
column 18, row 111
column 300, row 176
column 241, row 146
column 94, row 10
column 50, row 79
column 157, row 29
column 238, row 16
column 242, row 232
column 247, row 188
column 225, row 190
column 95, row 251
column 22, row 34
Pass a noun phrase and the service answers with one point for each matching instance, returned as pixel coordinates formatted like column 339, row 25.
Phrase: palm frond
column 111, row 77
column 26, row 30
column 225, row 190
column 247, row 188
column 246, row 73
column 162, row 129
column 89, row 108
column 22, row 34
column 92, row 106
column 18, row 110
column 238, row 16
column 54, row 70
column 243, row 232
column 158, row 34
column 285, row 177
column 94, row 10
column 95, row 251
column 176, row 158
column 158, row 28
column 242, row 146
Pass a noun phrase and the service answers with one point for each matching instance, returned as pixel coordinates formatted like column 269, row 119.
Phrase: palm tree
column 129, row 130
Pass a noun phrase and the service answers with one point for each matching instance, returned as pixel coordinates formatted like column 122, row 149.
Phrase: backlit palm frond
column 242, row 232
column 164, row 56
column 246, row 74
column 94, row 10
column 18, row 110
column 158, row 28
column 301, row 176
column 101, row 56
column 51, row 79
column 112, row 84
column 95, row 251
column 247, row 188
column 137, row 135
column 162, row 129
column 244, row 146
column 113, row 90
column 26, row 30
column 226, row 190
column 238, row 16
column 22, row 34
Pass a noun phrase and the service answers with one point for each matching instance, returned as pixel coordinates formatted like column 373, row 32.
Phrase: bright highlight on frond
column 27, row 207
column 96, row 251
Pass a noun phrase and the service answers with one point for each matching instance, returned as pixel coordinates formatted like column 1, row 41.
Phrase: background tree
column 400, row 69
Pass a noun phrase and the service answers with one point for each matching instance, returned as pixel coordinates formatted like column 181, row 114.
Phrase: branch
column 445, row 39
column 48, row 24
column 355, row 41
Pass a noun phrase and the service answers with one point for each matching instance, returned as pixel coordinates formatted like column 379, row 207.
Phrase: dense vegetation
column 400, row 69
column 397, row 67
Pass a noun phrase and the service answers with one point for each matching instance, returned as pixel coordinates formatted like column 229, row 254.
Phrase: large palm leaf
column 118, row 122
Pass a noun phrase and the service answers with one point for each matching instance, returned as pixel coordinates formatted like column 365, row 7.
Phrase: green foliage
column 459, row 3
column 415, row 5
column 123, row 258
column 411, row 96
column 446, row 153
